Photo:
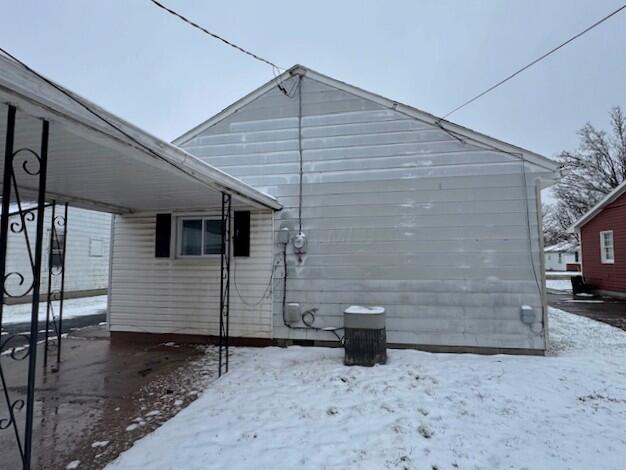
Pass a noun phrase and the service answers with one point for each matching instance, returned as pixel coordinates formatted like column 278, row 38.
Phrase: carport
column 60, row 147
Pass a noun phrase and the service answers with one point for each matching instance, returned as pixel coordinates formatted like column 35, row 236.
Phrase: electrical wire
column 276, row 70
column 307, row 317
column 216, row 36
column 528, row 227
column 301, row 169
column 265, row 292
column 537, row 60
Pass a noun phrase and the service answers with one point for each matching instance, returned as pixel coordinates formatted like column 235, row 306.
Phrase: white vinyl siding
column 96, row 247
column 397, row 213
column 181, row 295
column 82, row 271
column 607, row 249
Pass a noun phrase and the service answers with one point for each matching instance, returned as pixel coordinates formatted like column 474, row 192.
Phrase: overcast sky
column 150, row 68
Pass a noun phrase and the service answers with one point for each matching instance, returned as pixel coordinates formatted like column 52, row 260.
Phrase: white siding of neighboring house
column 177, row 295
column 86, row 270
column 397, row 212
column 558, row 261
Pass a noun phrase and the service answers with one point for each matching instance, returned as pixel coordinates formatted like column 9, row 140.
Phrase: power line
column 219, row 38
column 539, row 59
column 87, row 108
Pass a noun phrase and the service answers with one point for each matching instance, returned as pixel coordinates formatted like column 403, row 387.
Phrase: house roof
column 99, row 161
column 563, row 247
column 470, row 135
column 595, row 210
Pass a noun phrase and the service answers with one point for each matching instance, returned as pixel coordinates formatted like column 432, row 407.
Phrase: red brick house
column 602, row 233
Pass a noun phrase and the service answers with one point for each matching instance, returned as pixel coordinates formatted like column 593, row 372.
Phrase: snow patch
column 303, row 408
column 358, row 309
column 564, row 285
column 72, row 308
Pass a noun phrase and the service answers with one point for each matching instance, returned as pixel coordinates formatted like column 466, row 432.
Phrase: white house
column 87, row 233
column 558, row 256
column 382, row 204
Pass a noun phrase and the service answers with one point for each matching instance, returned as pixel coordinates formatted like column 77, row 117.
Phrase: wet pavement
column 607, row 310
column 103, row 397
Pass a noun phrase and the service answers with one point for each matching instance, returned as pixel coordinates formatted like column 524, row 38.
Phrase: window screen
column 191, row 237
column 212, row 237
column 200, row 237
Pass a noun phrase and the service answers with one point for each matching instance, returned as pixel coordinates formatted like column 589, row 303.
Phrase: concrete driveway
column 611, row 311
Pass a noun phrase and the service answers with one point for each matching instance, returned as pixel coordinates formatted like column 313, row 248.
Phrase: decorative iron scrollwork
column 23, row 350
column 10, row 421
column 31, row 165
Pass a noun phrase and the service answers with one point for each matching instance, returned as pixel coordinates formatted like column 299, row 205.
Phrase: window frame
column 604, row 259
column 179, row 237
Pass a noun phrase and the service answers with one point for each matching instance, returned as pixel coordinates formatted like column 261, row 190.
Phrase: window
column 199, row 236
column 576, row 259
column 96, row 247
column 607, row 250
column 560, row 258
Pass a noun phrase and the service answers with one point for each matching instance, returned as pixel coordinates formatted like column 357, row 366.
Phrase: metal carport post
column 34, row 165
column 225, row 285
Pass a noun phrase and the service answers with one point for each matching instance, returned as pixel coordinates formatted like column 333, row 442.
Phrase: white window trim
column 179, row 236
column 603, row 258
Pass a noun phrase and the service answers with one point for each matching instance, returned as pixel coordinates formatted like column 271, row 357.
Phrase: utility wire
column 215, row 36
column 539, row 59
column 87, row 108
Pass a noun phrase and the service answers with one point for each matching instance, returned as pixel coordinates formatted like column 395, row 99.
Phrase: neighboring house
column 433, row 221
column 603, row 243
column 87, row 253
column 558, row 256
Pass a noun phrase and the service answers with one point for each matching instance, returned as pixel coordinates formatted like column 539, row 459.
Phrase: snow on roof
column 562, row 247
column 591, row 213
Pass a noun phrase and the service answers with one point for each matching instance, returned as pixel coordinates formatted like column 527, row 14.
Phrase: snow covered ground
column 72, row 308
column 561, row 274
column 564, row 285
column 301, row 408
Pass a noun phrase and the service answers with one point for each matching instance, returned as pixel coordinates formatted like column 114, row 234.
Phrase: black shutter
column 163, row 235
column 241, row 238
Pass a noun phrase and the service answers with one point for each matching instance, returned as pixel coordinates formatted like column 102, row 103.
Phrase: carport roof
column 97, row 160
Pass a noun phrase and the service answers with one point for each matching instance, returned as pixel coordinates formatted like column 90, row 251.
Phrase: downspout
column 542, row 267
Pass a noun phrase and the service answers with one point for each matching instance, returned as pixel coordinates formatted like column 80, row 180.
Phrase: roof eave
column 595, row 210
column 24, row 90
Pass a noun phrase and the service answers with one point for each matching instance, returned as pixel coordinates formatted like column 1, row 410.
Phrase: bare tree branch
column 589, row 173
